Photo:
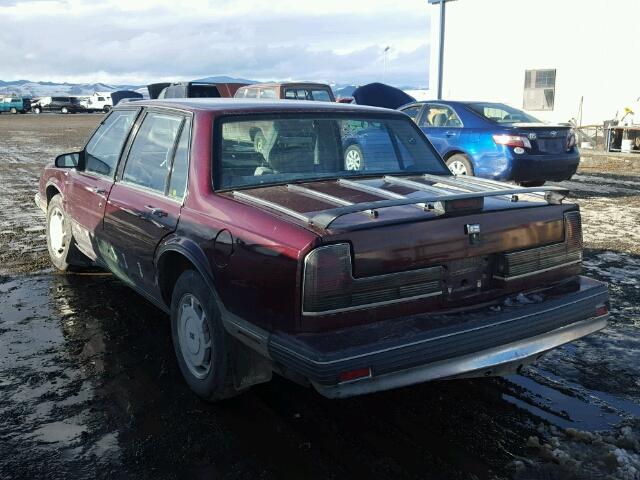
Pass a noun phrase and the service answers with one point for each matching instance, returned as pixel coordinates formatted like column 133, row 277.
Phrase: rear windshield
column 293, row 147
column 317, row 94
column 501, row 113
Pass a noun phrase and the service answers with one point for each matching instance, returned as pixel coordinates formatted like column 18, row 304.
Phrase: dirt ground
column 89, row 387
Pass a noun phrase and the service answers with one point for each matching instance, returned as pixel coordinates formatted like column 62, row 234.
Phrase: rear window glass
column 291, row 147
column 319, row 95
column 501, row 113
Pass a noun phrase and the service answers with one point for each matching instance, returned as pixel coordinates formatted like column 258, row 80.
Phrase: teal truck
column 14, row 104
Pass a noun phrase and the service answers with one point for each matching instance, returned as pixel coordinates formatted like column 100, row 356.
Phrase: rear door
column 144, row 203
column 442, row 125
column 88, row 187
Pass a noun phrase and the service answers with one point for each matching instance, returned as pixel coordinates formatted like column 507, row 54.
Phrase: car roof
column 288, row 84
column 453, row 102
column 243, row 105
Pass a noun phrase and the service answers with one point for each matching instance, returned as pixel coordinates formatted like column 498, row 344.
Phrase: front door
column 144, row 204
column 88, row 187
column 442, row 126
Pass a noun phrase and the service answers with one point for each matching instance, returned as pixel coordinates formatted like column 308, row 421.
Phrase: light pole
column 440, row 43
column 384, row 75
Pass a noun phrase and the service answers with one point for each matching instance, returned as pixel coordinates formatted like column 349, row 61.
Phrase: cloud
column 136, row 41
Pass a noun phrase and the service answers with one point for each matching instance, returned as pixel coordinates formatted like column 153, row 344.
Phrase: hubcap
column 194, row 336
column 56, row 232
column 353, row 160
column 458, row 168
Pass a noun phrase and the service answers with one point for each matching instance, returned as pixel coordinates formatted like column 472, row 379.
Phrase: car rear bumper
column 428, row 347
column 544, row 167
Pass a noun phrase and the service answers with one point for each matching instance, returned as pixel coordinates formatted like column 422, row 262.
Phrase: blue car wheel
column 459, row 164
column 353, row 158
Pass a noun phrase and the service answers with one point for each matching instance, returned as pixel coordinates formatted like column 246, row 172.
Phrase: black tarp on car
column 156, row 88
column 120, row 94
column 381, row 95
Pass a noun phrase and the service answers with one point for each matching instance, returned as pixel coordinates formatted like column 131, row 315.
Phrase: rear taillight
column 532, row 261
column 330, row 287
column 571, row 139
column 512, row 141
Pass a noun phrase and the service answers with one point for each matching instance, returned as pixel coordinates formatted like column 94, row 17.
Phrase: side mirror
column 68, row 160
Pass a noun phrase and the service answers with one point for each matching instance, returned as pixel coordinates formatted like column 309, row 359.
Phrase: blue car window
column 440, row 116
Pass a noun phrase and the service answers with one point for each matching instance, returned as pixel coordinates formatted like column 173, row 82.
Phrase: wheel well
column 170, row 266
column 51, row 192
column 448, row 155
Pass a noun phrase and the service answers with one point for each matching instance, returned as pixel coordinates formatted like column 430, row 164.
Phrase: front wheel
column 459, row 164
column 199, row 340
column 106, row 109
column 353, row 158
column 64, row 110
column 37, row 110
column 13, row 110
column 60, row 242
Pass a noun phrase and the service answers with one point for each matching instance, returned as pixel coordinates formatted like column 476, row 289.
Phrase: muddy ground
column 89, row 386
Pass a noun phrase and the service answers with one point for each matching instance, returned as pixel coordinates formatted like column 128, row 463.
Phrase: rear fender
column 245, row 332
column 250, row 365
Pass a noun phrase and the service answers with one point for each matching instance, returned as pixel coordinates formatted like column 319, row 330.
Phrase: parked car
column 58, row 104
column 14, row 104
column 196, row 90
column 496, row 141
column 98, row 102
column 287, row 91
column 282, row 260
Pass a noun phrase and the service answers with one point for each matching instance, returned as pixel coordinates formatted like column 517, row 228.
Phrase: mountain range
column 30, row 88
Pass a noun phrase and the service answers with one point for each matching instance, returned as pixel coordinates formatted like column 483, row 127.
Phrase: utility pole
column 440, row 43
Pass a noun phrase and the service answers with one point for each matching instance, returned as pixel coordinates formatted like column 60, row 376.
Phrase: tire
column 37, row 110
column 459, row 164
column 106, row 109
column 64, row 110
column 62, row 247
column 353, row 158
column 201, row 345
column 532, row 184
column 13, row 110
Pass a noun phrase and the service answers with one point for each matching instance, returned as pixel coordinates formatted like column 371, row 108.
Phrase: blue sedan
column 496, row 141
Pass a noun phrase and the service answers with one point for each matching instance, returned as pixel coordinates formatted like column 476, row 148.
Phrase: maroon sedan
column 277, row 258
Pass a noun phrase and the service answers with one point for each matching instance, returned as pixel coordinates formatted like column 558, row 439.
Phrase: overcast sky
column 137, row 41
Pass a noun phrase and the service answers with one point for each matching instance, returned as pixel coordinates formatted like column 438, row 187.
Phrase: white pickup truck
column 98, row 102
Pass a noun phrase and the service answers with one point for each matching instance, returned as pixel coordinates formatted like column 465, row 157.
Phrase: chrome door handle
column 156, row 211
column 99, row 191
column 450, row 134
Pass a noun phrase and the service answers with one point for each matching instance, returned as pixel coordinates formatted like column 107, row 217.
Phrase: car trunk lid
column 545, row 139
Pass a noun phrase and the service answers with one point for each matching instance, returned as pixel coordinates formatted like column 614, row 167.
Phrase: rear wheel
column 60, row 242
column 64, row 110
column 199, row 339
column 459, row 164
column 13, row 110
column 37, row 110
column 353, row 158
